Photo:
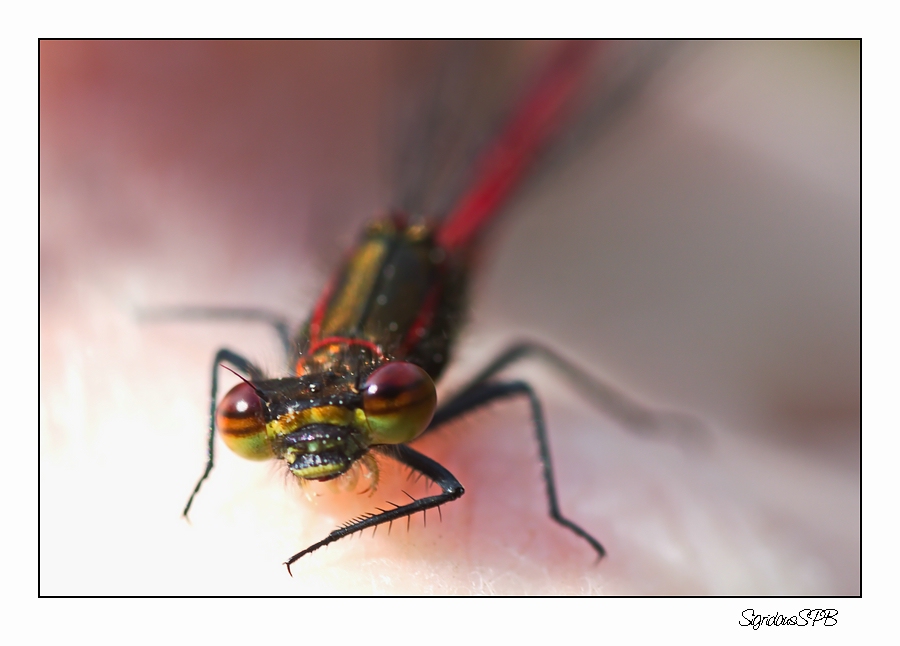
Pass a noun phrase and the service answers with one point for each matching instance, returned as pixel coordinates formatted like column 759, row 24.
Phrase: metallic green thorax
column 399, row 291
column 398, row 297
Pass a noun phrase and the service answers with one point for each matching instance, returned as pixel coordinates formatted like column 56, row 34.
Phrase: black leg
column 479, row 395
column 451, row 489
column 276, row 321
column 630, row 413
column 243, row 365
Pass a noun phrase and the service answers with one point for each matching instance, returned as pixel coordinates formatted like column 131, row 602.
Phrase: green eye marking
column 399, row 401
column 240, row 419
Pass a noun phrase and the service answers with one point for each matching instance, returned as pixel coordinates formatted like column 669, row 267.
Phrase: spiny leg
column 243, row 365
column 481, row 394
column 451, row 489
column 190, row 313
column 630, row 413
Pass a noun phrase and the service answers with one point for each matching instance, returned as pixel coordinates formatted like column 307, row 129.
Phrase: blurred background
column 700, row 249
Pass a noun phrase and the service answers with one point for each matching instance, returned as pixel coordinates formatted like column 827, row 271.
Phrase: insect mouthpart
column 323, row 451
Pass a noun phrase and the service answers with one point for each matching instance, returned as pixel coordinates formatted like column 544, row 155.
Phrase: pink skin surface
column 702, row 254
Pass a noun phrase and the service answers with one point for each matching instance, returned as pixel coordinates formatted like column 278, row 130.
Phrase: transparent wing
column 451, row 98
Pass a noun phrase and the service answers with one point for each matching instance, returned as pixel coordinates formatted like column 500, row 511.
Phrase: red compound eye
column 241, row 420
column 399, row 401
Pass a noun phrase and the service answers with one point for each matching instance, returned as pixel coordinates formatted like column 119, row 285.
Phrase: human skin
column 691, row 264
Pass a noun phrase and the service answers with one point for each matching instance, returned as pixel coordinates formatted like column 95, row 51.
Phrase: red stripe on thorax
column 315, row 323
column 423, row 320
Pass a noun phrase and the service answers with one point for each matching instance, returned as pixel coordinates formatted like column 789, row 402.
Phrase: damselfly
column 363, row 366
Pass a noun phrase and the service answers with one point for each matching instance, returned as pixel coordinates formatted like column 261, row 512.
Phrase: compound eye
column 399, row 401
column 241, row 420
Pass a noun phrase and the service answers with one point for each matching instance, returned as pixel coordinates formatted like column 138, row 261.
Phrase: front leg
column 481, row 394
column 451, row 489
